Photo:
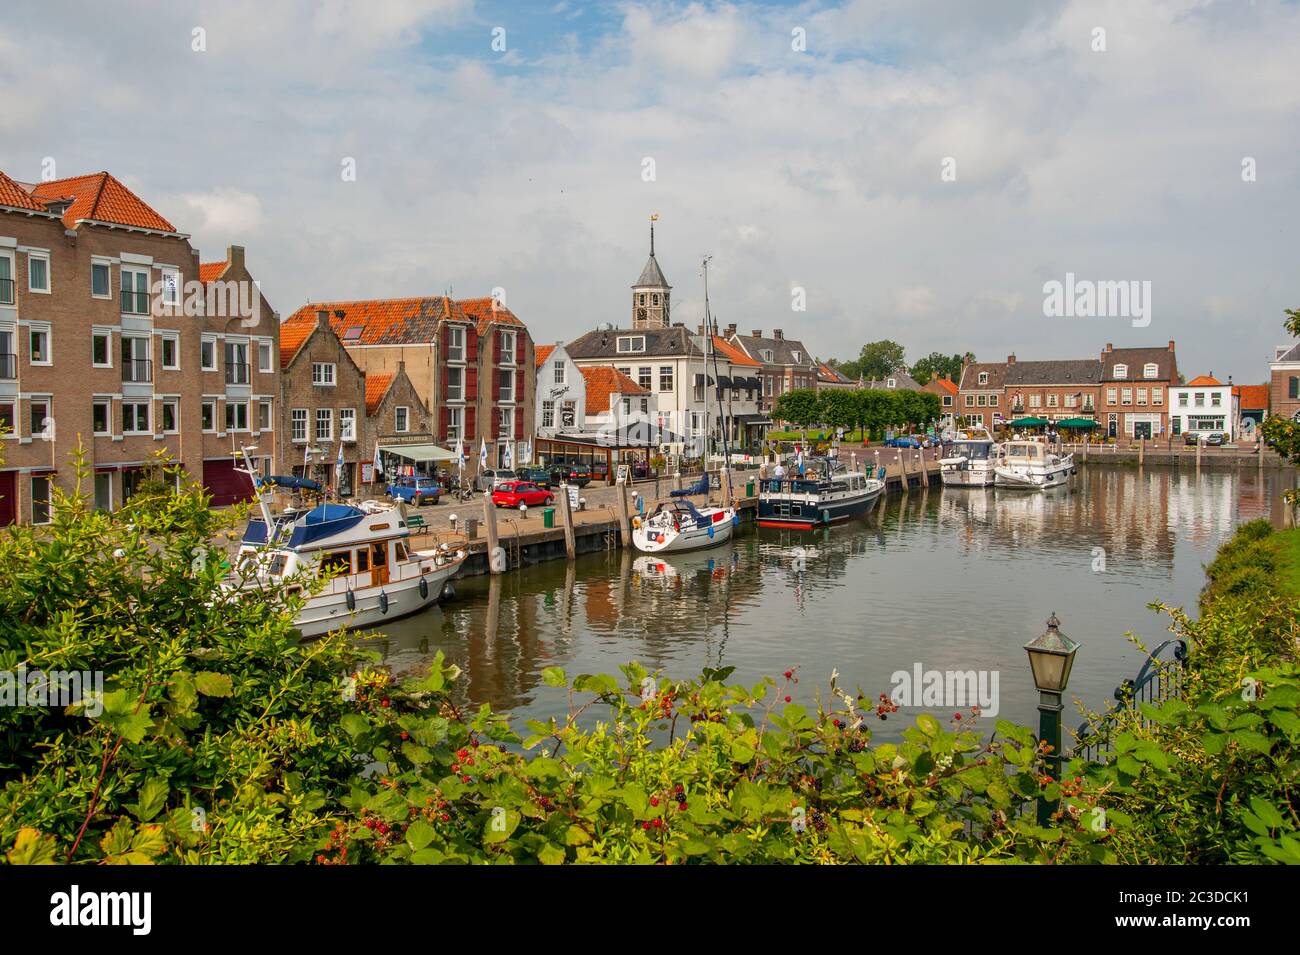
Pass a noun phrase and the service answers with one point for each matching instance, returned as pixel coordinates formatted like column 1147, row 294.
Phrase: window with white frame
column 1120, row 372
column 171, row 352
column 631, row 343
column 1216, row 400
column 984, row 377
column 455, row 421
column 236, row 415
column 1157, row 396
column 322, row 374
column 324, row 424
column 1052, row 401
column 41, row 499
column 208, row 416
column 548, row 414
column 505, row 385
column 1111, row 395
column 505, row 422
column 135, row 417
column 643, row 376
column 38, row 413
column 265, row 358
column 171, row 413
column 208, row 354
column 7, row 293
column 455, row 384
column 101, row 273
column 265, row 420
column 298, row 424
column 347, row 424
column 101, row 349
column 1142, row 396
column 665, row 377
column 1151, row 370
column 506, row 347
column 401, row 419
column 38, row 272
column 39, row 341
column 101, row 410
column 561, row 371
column 455, row 343
column 135, row 291
column 1126, row 396
column 1182, row 399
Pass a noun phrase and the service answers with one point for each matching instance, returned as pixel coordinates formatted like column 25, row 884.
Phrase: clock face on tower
column 640, row 314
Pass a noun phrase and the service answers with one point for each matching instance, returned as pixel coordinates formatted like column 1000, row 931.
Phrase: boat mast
column 709, row 331
column 259, row 490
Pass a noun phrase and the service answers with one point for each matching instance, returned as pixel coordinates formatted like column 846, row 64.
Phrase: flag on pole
column 338, row 467
column 379, row 468
column 306, row 462
column 528, row 452
column 482, row 454
column 460, row 455
column 509, row 460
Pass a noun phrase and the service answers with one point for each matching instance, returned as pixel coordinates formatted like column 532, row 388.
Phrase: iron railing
column 237, row 373
column 137, row 370
column 1157, row 681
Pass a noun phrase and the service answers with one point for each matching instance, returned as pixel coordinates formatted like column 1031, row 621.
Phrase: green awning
column 1077, row 423
column 418, row 452
column 1028, row 423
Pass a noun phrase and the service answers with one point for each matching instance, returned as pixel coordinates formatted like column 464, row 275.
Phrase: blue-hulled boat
column 817, row 499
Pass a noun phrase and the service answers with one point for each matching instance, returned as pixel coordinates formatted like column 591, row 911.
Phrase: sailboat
column 677, row 524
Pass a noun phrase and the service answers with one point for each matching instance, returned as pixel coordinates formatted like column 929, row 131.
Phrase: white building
column 1204, row 406
column 561, row 404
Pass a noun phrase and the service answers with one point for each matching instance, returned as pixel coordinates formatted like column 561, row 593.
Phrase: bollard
column 624, row 515
column 925, row 471
column 1198, row 452
column 1142, row 450
column 724, row 478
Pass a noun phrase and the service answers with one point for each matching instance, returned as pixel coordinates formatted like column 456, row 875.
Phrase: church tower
column 650, row 294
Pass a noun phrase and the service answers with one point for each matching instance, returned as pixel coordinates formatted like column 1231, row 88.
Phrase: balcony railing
column 135, row 303
column 6, row 291
column 237, row 373
column 137, row 371
column 8, row 366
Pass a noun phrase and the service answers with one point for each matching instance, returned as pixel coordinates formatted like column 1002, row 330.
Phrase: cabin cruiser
column 1031, row 465
column 804, row 503
column 970, row 461
column 375, row 574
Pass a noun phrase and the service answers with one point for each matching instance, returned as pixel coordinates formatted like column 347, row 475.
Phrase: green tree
column 801, row 407
column 879, row 360
column 938, row 364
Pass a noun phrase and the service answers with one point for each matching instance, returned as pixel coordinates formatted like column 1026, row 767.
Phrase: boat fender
column 710, row 532
column 383, row 601
column 424, row 589
column 352, row 600
column 735, row 520
column 636, row 522
column 448, row 591
column 826, row 517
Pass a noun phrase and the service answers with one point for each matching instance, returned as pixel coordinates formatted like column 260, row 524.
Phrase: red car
column 514, row 493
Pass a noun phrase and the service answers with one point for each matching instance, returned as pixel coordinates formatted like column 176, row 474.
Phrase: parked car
column 514, row 493
column 1191, row 437
column 489, row 478
column 539, row 476
column 903, row 441
column 415, row 490
column 576, row 474
column 1214, row 440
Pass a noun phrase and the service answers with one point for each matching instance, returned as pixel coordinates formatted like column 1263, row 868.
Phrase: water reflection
column 949, row 579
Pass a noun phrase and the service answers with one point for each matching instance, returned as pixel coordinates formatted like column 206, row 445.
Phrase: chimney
column 1109, row 348
column 235, row 256
column 778, row 334
column 322, row 318
column 756, row 332
column 401, row 367
column 699, row 329
column 1171, row 344
column 731, row 330
column 1011, row 359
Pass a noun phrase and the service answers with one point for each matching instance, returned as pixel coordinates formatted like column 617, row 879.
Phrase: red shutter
column 519, row 423
column 471, row 384
column 496, row 424
column 519, row 386
column 469, row 424
column 519, row 347
column 471, row 344
column 444, row 422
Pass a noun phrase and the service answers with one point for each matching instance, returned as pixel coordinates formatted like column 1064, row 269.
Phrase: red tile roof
column 15, row 196
column 733, row 354
column 1253, row 397
column 211, row 271
column 376, row 387
column 604, row 381
column 484, row 311
column 295, row 330
column 101, row 197
column 1204, row 381
column 947, row 384
column 543, row 352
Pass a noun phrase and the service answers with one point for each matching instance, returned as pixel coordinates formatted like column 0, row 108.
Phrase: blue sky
column 815, row 169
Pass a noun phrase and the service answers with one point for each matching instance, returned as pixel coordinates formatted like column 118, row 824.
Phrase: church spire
column 650, row 294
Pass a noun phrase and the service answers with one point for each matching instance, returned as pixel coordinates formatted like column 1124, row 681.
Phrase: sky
column 864, row 169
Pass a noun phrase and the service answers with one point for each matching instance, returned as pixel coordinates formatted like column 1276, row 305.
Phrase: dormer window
column 631, row 343
column 892, row 383
column 984, row 377
column 1151, row 370
column 1121, row 372
column 797, row 359
column 767, row 354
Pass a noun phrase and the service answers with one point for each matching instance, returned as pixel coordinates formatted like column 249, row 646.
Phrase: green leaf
column 31, row 848
column 1267, row 812
column 928, row 725
column 554, row 676
column 213, row 684
column 152, row 798
column 636, row 799
column 419, row 834
column 354, row 724
column 500, row 825
column 550, row 854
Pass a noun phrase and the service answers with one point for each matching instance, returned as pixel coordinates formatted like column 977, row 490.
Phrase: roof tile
column 15, row 196
column 376, row 387
column 102, row 197
column 604, row 381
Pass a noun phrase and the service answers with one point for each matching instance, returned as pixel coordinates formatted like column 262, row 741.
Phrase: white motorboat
column 970, row 461
column 678, row 525
column 365, row 550
column 1031, row 465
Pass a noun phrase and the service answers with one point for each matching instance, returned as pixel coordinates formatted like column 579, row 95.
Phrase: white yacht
column 970, row 461
column 1031, row 465
column 375, row 574
column 678, row 525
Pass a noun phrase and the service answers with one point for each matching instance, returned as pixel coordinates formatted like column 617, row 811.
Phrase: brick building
column 981, row 394
column 102, row 319
column 1052, row 390
column 785, row 363
column 946, row 389
column 470, row 361
column 1135, row 385
column 1284, row 382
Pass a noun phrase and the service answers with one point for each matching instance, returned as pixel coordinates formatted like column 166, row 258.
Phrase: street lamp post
column 1051, row 657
